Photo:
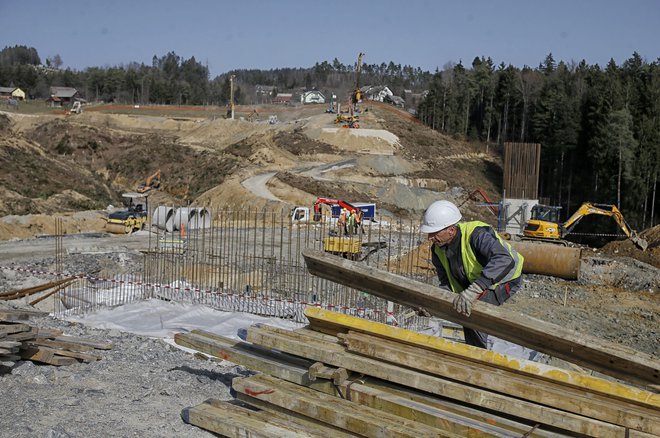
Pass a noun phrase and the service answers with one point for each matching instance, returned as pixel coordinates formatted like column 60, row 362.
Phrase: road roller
column 133, row 218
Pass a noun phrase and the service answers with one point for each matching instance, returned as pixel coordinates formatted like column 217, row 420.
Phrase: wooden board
column 420, row 412
column 295, row 343
column 19, row 315
column 597, row 354
column 237, row 422
column 45, row 355
column 13, row 328
column 99, row 345
column 516, row 428
column 84, row 357
column 358, row 419
column 255, row 358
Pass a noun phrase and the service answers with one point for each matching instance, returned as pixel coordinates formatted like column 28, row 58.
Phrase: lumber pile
column 345, row 376
column 578, row 348
column 22, row 341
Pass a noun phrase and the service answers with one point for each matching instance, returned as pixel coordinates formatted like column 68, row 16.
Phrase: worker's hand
column 463, row 301
column 420, row 311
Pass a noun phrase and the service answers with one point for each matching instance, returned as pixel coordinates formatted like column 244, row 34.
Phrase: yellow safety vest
column 471, row 264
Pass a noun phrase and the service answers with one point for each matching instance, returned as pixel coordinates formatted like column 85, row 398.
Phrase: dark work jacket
column 490, row 253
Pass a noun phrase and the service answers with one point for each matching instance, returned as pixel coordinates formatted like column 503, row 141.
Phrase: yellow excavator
column 153, row 182
column 545, row 225
column 133, row 218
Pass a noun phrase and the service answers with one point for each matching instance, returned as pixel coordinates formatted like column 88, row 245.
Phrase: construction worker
column 358, row 221
column 351, row 222
column 471, row 260
column 341, row 221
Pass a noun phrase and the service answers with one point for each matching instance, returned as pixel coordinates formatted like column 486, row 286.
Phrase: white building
column 312, row 96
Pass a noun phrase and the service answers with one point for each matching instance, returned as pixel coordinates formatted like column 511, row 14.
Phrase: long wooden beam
column 258, row 359
column 355, row 418
column 296, row 343
column 336, row 323
column 308, row 424
column 515, row 428
column 539, row 391
column 420, row 412
column 234, row 421
column 609, row 358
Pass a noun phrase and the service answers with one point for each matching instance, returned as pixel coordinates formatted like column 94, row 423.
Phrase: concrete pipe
column 183, row 217
column 549, row 259
column 204, row 218
column 163, row 218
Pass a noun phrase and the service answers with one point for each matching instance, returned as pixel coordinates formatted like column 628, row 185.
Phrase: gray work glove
column 463, row 301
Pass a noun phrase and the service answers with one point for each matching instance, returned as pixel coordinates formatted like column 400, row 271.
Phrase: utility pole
column 231, row 94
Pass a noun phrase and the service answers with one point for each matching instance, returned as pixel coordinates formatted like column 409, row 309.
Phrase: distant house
column 283, row 98
column 395, row 100
column 264, row 93
column 377, row 93
column 63, row 96
column 312, row 96
column 12, row 93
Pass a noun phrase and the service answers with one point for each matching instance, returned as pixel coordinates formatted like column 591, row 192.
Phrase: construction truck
column 342, row 240
column 302, row 214
column 544, row 224
column 152, row 182
column 131, row 219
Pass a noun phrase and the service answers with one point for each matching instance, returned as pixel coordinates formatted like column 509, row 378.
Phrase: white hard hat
column 439, row 216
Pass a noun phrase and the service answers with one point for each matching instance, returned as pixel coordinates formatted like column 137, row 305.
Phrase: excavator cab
column 544, row 223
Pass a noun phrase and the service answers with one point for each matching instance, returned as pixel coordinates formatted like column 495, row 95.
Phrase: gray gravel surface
column 141, row 385
column 137, row 389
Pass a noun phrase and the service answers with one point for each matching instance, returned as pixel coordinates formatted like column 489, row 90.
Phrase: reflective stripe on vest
column 471, row 264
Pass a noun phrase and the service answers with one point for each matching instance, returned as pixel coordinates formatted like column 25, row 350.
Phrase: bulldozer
column 152, row 182
column 133, row 218
column 544, row 224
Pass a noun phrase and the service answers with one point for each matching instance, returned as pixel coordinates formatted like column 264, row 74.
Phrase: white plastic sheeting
column 163, row 319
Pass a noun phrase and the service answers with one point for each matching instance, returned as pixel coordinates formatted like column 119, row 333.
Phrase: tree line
column 599, row 127
column 171, row 79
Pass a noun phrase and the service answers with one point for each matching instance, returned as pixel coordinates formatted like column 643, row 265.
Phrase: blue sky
column 298, row 33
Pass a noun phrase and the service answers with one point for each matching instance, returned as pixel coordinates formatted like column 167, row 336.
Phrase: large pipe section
column 163, row 218
column 549, row 259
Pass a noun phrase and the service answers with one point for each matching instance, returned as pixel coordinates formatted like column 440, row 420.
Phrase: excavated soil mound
column 629, row 249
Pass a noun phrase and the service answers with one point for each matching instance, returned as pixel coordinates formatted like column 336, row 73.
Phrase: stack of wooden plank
column 22, row 341
column 345, row 376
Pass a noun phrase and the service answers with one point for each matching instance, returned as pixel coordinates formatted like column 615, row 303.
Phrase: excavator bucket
column 640, row 242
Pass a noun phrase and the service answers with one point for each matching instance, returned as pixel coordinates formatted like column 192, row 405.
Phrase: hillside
column 86, row 161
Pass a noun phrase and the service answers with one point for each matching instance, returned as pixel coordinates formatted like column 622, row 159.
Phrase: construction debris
column 20, row 341
column 372, row 379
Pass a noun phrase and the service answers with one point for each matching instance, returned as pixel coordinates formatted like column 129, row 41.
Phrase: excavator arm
column 153, row 182
column 604, row 210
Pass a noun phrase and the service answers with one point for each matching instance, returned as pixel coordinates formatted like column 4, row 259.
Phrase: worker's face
column 443, row 237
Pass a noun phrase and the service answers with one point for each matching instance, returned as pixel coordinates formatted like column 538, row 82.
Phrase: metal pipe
column 549, row 259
